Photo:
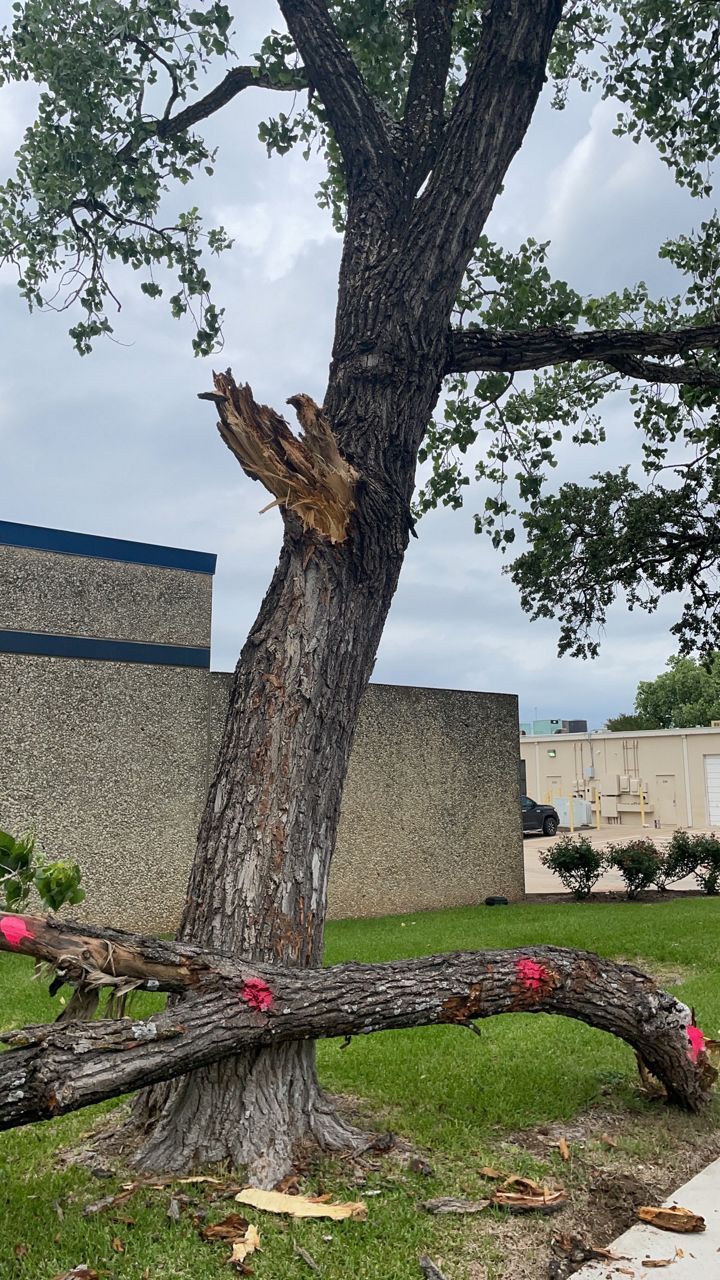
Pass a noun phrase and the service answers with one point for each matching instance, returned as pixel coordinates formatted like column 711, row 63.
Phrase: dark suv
column 539, row 817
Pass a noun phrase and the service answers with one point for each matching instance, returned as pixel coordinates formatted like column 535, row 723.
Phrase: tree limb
column 237, row 79
column 502, row 86
column 229, row 1006
column 425, row 102
column 356, row 119
column 623, row 349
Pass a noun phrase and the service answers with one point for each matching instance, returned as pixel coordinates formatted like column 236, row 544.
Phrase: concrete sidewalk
column 694, row 1257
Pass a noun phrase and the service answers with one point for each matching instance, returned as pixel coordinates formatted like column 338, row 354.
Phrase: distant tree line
column 683, row 697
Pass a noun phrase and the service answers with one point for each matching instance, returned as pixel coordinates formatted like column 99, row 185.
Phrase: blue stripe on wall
column 51, row 646
column 86, row 544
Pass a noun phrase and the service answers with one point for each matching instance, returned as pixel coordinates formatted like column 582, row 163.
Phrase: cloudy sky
column 117, row 443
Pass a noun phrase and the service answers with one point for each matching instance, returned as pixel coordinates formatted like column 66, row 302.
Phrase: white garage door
column 712, row 787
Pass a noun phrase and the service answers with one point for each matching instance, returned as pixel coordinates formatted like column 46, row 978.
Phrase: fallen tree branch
column 231, row 1006
column 307, row 475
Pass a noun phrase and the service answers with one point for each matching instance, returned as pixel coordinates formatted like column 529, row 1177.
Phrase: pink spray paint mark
column 256, row 994
column 697, row 1043
column 531, row 974
column 14, row 929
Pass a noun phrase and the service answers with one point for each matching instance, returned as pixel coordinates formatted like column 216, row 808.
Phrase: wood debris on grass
column 300, row 1206
column 249, row 1243
column 429, row 1270
column 523, row 1195
column 82, row 1272
column 306, row 1257
column 449, row 1204
column 673, row 1219
column 577, row 1250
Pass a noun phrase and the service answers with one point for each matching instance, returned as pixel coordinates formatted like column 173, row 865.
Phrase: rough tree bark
column 232, row 1006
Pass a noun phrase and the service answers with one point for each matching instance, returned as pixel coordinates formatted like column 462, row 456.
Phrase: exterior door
column 665, row 808
column 712, row 789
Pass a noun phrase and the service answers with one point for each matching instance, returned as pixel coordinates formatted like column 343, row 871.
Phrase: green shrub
column 576, row 862
column 707, row 866
column 640, row 864
column 24, row 868
column 681, row 857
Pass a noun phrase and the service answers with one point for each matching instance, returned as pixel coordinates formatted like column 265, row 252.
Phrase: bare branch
column 425, row 103
column 355, row 117
column 687, row 375
column 236, row 80
column 625, row 350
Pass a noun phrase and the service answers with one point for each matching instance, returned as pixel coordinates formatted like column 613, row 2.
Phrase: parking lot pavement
column 539, row 880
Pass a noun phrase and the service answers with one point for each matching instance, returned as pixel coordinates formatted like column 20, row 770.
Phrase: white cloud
column 118, row 444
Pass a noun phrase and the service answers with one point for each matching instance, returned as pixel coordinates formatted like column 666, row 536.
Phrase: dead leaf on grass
column 609, row 1142
column 118, row 1245
column 300, row 1206
column 673, row 1219
column 20, row 1250
column 290, row 1185
column 243, row 1248
column 564, row 1149
column 495, row 1175
column 233, row 1228
column 448, row 1204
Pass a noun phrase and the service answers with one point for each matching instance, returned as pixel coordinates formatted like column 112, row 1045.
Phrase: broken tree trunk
column 228, row 1006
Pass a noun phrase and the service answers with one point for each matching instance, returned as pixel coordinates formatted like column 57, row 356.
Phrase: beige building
column 111, row 723
column 657, row 778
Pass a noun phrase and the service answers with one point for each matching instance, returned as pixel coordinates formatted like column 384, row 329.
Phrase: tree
column 684, row 696
column 420, row 109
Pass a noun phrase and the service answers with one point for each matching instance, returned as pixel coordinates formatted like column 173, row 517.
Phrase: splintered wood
column 307, row 474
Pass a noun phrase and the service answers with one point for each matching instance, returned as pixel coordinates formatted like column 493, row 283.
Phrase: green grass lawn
column 459, row 1098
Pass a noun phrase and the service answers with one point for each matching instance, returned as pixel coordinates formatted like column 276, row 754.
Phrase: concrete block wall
column 431, row 806
column 112, row 720
column 104, row 685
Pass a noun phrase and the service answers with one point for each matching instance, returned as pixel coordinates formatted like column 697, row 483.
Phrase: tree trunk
column 258, row 886
column 269, row 1009
column 259, row 881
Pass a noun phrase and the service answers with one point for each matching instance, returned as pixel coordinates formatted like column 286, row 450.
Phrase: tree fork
column 229, row 1006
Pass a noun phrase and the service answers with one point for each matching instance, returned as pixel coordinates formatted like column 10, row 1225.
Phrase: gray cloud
column 118, row 444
